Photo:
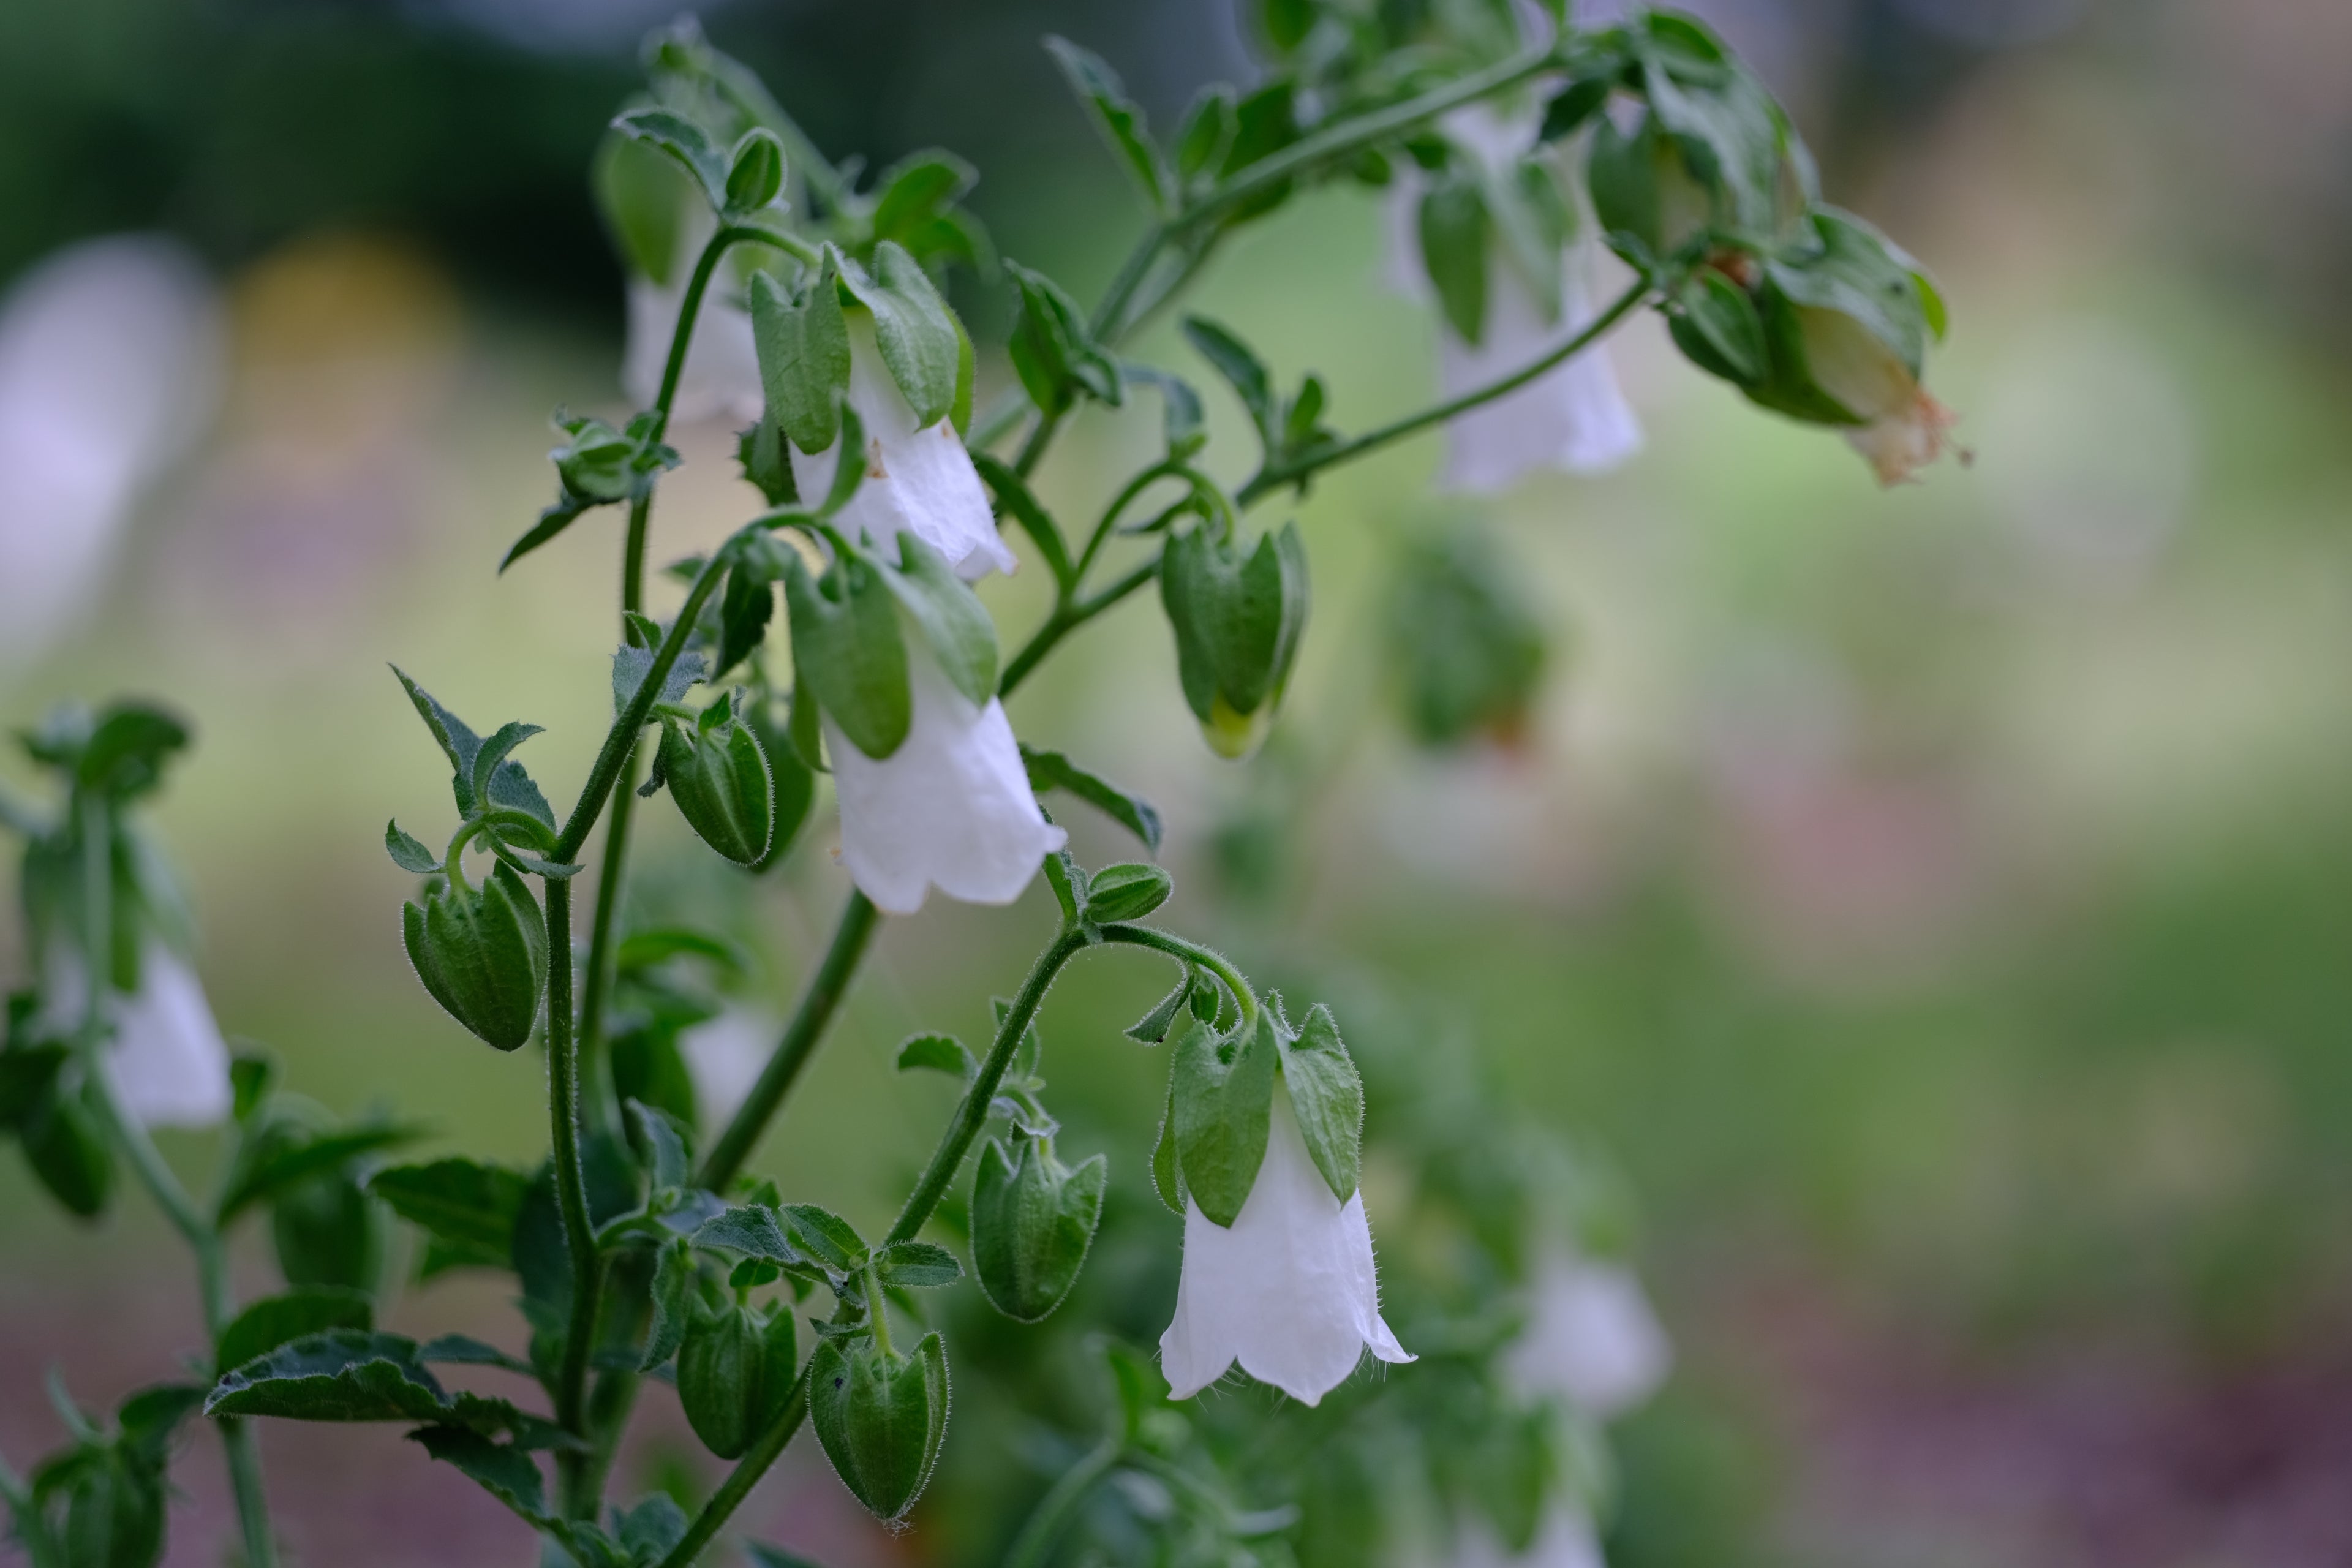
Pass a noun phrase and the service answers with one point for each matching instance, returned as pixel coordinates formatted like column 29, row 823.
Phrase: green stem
column 1274, row 477
column 1054, row 1510
column 877, row 1314
column 1067, row 619
column 741, row 1480
column 826, row 987
column 973, row 1113
column 570, row 1175
column 146, row 1161
column 1192, row 952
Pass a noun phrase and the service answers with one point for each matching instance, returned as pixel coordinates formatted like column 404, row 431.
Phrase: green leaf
column 342, row 1374
column 126, row 752
column 457, row 742
column 1327, row 1095
column 847, row 648
column 1205, row 132
column 674, row 1279
column 27, row 1075
column 1242, row 370
column 760, row 452
column 1180, row 415
column 272, row 1164
column 948, row 614
column 825, row 1236
column 939, row 1053
column 684, row 141
column 846, row 476
column 507, row 1473
column 148, row 1419
column 917, row 1266
column 467, row 1207
column 1454, row 225
column 1126, row 892
column 667, row 1164
column 67, row 1152
column 407, row 853
column 493, row 755
column 632, row 664
column 755, row 172
column 1053, row 352
column 1570, row 110
column 1117, row 116
column 1224, row 1092
column 913, row 328
column 804, row 352
column 1013, row 495
column 915, row 190
column 274, row 1321
column 751, row 1230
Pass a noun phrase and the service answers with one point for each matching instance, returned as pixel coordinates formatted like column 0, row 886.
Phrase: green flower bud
column 1126, row 892
column 1465, row 645
column 755, row 177
column 735, row 1368
column 482, row 952
column 880, row 1417
column 719, row 775
column 1237, row 622
column 114, row 1515
column 1032, row 1221
column 329, row 1232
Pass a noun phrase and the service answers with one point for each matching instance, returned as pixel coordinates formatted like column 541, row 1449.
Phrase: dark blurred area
column 1938, row 902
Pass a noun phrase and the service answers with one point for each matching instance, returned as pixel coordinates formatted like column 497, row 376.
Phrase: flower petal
column 1590, row 1336
column 724, row 1055
column 168, row 1062
column 951, row 808
column 1574, row 418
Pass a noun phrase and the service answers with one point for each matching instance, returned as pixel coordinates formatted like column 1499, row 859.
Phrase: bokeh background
column 1938, row 902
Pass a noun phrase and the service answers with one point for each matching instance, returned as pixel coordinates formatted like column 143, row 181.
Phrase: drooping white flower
column 1289, row 1291
column 724, row 1055
column 1591, row 1337
column 918, row 480
column 1574, row 418
column 1565, row 1538
column 166, row 1060
column 110, row 364
column 952, row 808
column 720, row 378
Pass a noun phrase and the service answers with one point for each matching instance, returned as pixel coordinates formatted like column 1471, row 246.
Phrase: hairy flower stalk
column 919, row 479
column 952, row 808
column 1290, row 1290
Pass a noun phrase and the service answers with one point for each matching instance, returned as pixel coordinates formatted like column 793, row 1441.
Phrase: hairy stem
column 1192, row 952
column 818, row 1003
column 1067, row 619
column 1274, row 477
column 973, row 1113
column 741, row 1480
column 1054, row 1510
column 570, row 1175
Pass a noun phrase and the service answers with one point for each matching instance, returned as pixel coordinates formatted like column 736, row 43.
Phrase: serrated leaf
column 673, row 1276
column 507, row 1473
column 1052, row 769
column 632, row 664
column 753, row 1230
column 939, row 1053
column 339, row 1375
column 273, row 1320
column 825, row 1236
column 467, row 1207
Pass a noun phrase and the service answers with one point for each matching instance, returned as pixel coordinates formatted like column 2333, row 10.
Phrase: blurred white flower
column 110, row 355
column 1574, row 418
column 1290, row 1290
column 951, row 808
column 724, row 1055
column 1565, row 1538
column 720, row 378
column 917, row 481
column 166, row 1062
column 1591, row 1337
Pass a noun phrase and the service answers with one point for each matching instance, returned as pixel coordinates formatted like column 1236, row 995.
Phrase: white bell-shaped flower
column 167, row 1061
column 1574, row 418
column 952, row 808
column 918, row 480
column 720, row 378
column 1565, row 1538
column 1289, row 1291
column 724, row 1055
column 1591, row 1337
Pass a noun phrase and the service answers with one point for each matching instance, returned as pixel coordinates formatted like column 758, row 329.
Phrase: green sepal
column 913, row 328
column 1053, row 350
column 1032, row 1222
column 1152, row 1029
column 847, row 649
column 672, row 1300
column 1223, row 1091
column 755, row 172
column 804, row 352
column 949, row 615
column 1715, row 324
column 482, row 954
column 880, row 1418
column 1205, row 132
column 1326, row 1094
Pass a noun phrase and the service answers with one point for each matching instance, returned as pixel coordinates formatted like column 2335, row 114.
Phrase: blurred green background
column 1938, row 902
